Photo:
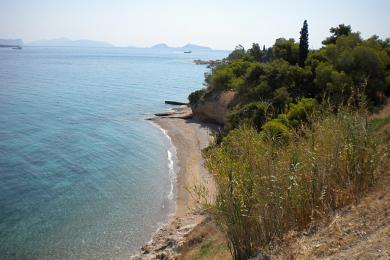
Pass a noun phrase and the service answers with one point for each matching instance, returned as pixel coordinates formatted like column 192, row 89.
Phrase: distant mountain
column 186, row 47
column 11, row 42
column 161, row 46
column 65, row 42
column 190, row 46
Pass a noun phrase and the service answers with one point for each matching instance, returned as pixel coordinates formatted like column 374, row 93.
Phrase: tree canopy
column 338, row 31
column 345, row 67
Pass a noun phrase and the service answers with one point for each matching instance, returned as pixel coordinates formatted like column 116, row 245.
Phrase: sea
column 83, row 174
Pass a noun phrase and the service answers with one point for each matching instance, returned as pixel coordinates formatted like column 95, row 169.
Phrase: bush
column 253, row 114
column 265, row 190
column 287, row 50
column 302, row 111
column 195, row 96
column 221, row 77
column 281, row 98
column 277, row 132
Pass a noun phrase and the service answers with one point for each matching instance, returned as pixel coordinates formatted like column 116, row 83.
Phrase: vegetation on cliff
column 345, row 66
column 297, row 143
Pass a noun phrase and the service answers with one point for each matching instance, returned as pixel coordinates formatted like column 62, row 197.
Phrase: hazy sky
column 220, row 24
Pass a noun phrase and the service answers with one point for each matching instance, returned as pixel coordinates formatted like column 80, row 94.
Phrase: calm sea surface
column 82, row 173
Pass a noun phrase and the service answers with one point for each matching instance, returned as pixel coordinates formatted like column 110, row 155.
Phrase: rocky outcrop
column 214, row 107
column 208, row 62
column 169, row 239
column 175, row 103
column 183, row 112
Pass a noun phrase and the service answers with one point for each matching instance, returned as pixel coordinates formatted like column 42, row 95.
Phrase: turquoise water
column 83, row 174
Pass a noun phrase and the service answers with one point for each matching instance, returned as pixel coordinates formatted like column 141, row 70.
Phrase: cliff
column 214, row 107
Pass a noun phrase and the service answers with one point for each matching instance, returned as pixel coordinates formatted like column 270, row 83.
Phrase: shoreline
column 188, row 137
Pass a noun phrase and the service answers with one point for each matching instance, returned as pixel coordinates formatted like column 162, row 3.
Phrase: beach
column 189, row 137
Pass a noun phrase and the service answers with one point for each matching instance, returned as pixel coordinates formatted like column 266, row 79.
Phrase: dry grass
column 265, row 189
column 205, row 242
column 357, row 231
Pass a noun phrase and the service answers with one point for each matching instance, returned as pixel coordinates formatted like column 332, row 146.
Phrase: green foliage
column 345, row 66
column 277, row 132
column 195, row 96
column 237, row 54
column 221, row 77
column 210, row 249
column 281, row 98
column 277, row 169
column 303, row 44
column 267, row 54
column 336, row 86
column 255, row 52
column 265, row 190
column 368, row 62
column 377, row 123
column 286, row 50
column 337, row 32
column 262, row 80
column 229, row 76
column 252, row 114
column 351, row 65
column 346, row 42
column 302, row 111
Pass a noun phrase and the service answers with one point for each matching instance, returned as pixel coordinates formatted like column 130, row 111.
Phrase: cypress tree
column 303, row 44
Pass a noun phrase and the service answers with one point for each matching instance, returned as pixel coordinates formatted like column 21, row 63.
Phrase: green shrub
column 253, row 114
column 229, row 76
column 277, row 132
column 302, row 111
column 281, row 98
column 195, row 96
column 221, row 77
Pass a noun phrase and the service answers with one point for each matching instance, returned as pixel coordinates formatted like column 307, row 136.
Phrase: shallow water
column 82, row 172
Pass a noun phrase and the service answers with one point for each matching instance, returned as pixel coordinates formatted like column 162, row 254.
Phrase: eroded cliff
column 214, row 107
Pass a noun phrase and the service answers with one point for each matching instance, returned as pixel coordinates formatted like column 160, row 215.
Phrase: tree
column 237, row 54
column 256, row 52
column 303, row 44
column 342, row 29
column 286, row 50
column 334, row 85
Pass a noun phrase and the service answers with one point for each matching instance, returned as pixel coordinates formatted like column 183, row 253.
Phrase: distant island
column 65, row 42
column 187, row 47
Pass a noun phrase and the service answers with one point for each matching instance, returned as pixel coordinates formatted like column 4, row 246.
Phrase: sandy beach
column 189, row 136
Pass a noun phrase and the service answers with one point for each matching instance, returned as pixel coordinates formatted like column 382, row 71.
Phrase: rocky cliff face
column 214, row 107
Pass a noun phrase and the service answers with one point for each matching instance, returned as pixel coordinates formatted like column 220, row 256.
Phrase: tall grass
column 266, row 189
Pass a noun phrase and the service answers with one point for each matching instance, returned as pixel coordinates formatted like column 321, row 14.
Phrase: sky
column 219, row 24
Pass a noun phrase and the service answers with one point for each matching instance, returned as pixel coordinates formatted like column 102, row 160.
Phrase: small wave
column 172, row 170
column 165, row 133
column 172, row 155
column 171, row 174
